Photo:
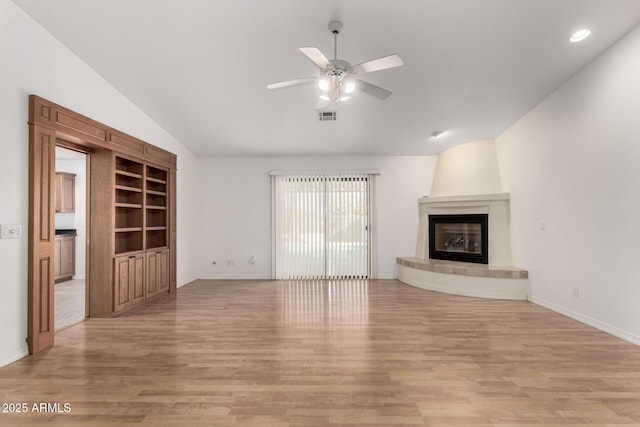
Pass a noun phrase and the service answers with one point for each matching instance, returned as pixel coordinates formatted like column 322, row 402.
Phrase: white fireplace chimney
column 467, row 169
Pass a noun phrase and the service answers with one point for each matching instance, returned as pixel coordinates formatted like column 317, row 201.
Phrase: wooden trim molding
column 80, row 129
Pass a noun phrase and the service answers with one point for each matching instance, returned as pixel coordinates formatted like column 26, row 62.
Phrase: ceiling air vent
column 324, row 116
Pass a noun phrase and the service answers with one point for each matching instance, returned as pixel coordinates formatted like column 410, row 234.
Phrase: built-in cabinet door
column 152, row 277
column 163, row 271
column 122, row 284
column 68, row 256
column 65, row 188
column 57, row 258
column 157, row 270
column 138, row 274
column 128, row 283
column 64, row 257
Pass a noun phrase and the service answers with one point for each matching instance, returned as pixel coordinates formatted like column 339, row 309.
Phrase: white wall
column 235, row 209
column 33, row 62
column 467, row 169
column 78, row 218
column 573, row 163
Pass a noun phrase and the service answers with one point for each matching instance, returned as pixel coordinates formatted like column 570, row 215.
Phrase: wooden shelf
column 128, row 230
column 157, row 193
column 163, row 208
column 156, row 228
column 129, row 205
column 159, row 181
column 132, row 189
column 130, row 174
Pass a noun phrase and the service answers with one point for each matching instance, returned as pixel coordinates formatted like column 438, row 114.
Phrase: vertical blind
column 322, row 226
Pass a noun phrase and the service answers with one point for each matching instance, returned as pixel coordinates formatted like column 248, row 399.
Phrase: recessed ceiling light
column 437, row 134
column 579, row 35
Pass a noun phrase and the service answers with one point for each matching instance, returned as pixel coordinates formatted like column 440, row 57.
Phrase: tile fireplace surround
column 498, row 280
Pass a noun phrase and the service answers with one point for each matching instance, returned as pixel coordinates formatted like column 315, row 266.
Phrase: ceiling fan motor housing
column 340, row 70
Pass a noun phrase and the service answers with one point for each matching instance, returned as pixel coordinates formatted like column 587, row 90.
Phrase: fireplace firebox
column 459, row 238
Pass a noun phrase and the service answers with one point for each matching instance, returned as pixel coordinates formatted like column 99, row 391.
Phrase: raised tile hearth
column 466, row 279
column 463, row 268
column 495, row 278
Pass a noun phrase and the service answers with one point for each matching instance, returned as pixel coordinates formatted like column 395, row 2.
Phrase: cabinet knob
column 132, row 257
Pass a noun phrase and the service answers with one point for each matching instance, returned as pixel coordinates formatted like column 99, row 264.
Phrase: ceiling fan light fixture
column 349, row 87
column 580, row 35
column 323, row 84
column 325, row 97
column 344, row 98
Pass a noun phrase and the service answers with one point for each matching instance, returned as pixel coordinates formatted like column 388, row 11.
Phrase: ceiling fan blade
column 290, row 83
column 383, row 63
column 372, row 89
column 316, row 57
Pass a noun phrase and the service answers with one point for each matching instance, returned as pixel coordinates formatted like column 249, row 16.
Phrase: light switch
column 11, row 231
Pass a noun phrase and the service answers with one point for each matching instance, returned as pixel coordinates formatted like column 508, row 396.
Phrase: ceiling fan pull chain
column 335, row 45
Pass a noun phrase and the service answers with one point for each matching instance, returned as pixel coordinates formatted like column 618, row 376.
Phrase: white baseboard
column 266, row 278
column 234, row 278
column 24, row 351
column 604, row 327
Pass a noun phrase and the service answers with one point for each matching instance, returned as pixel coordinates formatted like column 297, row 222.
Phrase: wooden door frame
column 87, row 223
column 49, row 122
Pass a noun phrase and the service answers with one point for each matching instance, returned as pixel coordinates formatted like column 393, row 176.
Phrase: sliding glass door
column 322, row 226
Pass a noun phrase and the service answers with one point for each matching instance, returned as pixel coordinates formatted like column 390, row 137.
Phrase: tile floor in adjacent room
column 69, row 303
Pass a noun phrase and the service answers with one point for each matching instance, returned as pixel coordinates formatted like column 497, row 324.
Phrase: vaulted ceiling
column 200, row 68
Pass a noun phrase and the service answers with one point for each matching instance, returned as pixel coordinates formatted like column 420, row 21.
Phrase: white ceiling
column 199, row 67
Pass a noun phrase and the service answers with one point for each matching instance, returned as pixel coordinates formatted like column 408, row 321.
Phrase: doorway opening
column 71, row 236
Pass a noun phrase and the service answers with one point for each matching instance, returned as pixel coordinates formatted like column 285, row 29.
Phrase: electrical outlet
column 576, row 291
column 252, row 260
column 230, row 263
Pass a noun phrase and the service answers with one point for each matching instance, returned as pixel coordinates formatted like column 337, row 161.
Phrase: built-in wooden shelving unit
column 141, row 233
column 131, row 223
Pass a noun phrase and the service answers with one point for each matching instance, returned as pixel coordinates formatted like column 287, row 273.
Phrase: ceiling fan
column 338, row 77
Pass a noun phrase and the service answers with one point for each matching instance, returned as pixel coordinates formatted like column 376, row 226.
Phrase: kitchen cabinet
column 65, row 188
column 65, row 257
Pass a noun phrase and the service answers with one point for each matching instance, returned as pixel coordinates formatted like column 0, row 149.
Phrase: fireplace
column 459, row 237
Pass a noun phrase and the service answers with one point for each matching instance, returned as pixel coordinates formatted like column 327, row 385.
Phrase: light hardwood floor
column 327, row 354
